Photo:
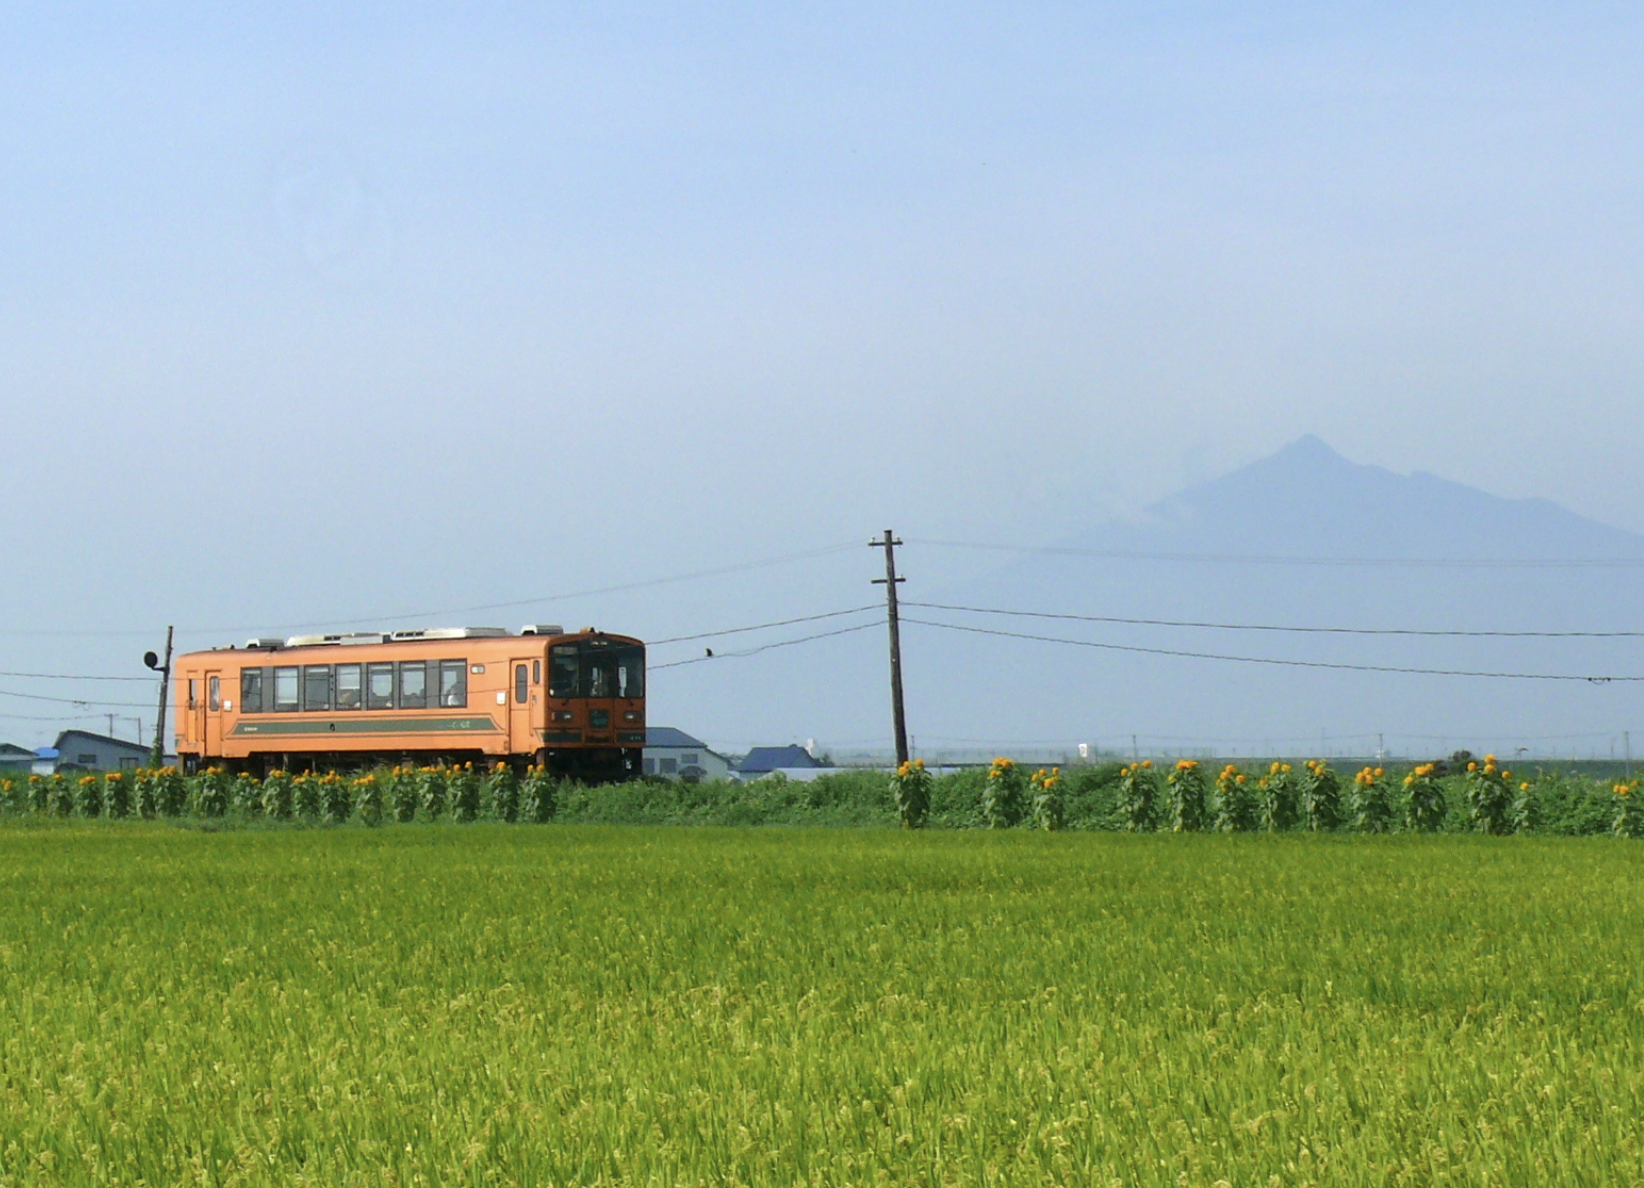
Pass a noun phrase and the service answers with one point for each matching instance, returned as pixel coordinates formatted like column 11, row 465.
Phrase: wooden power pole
column 898, row 717
column 159, row 757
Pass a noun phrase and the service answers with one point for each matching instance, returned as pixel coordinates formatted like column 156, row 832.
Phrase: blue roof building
column 763, row 760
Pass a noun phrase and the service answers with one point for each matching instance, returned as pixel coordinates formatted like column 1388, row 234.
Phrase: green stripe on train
column 262, row 729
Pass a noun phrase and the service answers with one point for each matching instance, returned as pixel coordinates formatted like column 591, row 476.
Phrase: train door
column 524, row 696
column 213, row 710
column 191, row 722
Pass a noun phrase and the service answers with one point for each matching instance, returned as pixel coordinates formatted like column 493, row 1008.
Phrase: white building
column 675, row 755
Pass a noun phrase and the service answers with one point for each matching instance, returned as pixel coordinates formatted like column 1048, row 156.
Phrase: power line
column 1262, row 559
column 785, row 643
column 740, row 567
column 48, row 718
column 653, row 643
column 988, row 610
column 73, row 700
column 61, row 676
column 720, row 571
column 1112, row 647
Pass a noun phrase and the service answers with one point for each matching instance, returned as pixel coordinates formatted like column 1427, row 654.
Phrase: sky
column 324, row 314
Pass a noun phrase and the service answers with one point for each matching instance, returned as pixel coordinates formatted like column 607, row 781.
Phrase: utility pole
column 153, row 661
column 899, row 719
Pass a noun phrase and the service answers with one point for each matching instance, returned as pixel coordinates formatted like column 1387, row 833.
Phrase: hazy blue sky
column 310, row 313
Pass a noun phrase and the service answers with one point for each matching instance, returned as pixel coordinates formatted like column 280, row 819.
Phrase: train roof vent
column 453, row 633
column 265, row 643
column 304, row 641
column 542, row 629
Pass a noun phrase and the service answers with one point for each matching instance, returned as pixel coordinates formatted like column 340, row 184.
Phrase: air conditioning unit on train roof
column 452, row 633
column 351, row 637
column 542, row 629
column 270, row 644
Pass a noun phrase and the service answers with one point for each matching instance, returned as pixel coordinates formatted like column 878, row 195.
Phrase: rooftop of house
column 667, row 736
column 68, row 739
column 766, row 759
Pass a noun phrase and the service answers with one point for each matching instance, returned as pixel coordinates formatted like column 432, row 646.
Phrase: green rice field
column 580, row 1004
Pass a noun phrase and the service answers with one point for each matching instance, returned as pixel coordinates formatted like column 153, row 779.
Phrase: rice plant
column 635, row 1006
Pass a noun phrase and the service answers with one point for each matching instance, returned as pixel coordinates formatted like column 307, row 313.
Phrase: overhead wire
column 1192, row 623
column 785, row 643
column 64, row 676
column 653, row 643
column 1321, row 664
column 1275, row 559
column 718, row 571
column 76, row 700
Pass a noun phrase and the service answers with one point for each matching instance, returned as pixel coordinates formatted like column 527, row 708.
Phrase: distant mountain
column 1305, row 502
column 1309, row 501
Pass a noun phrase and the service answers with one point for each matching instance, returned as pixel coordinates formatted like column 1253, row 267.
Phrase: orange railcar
column 572, row 701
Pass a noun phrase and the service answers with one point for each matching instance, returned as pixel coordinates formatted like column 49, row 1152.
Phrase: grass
column 621, row 1005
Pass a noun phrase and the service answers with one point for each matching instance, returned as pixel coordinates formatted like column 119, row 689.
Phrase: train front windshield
column 597, row 668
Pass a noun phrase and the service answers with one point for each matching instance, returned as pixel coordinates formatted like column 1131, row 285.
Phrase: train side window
column 316, row 686
column 536, row 672
column 379, row 686
column 413, row 684
column 285, row 690
column 348, row 686
column 214, row 693
column 251, row 690
column 193, row 693
column 522, row 686
column 453, row 684
column 562, row 671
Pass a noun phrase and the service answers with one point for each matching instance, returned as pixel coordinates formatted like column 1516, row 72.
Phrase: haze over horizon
column 315, row 314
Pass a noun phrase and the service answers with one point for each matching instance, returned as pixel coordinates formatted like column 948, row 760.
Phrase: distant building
column 675, row 755
column 85, row 751
column 762, row 761
column 16, row 758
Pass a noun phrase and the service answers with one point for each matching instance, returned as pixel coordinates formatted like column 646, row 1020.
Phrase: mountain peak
column 1310, row 447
